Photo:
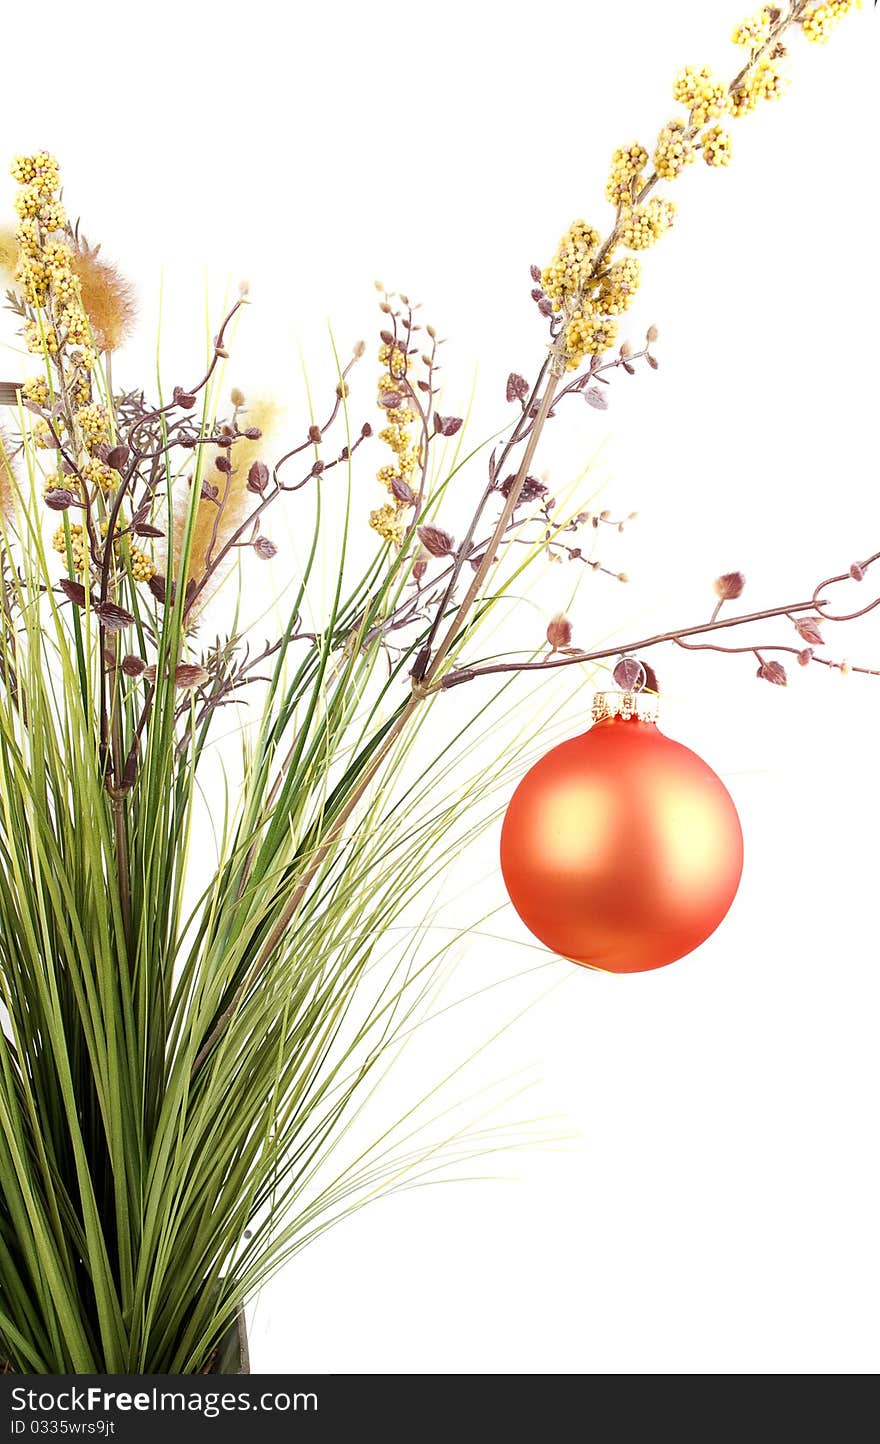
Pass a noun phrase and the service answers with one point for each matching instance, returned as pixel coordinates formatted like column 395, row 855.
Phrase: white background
column 714, row 1207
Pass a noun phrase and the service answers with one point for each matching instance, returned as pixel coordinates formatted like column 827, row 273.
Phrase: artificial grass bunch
column 186, row 1039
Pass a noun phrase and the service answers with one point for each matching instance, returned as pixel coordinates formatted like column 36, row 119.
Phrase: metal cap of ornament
column 628, row 700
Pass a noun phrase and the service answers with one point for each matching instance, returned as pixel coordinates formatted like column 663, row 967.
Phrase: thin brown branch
column 468, row 674
column 776, row 647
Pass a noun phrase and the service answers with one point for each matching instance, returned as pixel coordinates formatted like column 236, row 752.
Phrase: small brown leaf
column 264, row 548
column 596, row 397
column 530, row 490
column 145, row 528
column 187, row 674
column 184, row 399
column 517, row 386
column 403, row 491
column 535, row 272
column 805, row 657
column 133, row 666
column 117, row 457
column 857, row 572
column 314, row 435
column 113, row 618
column 419, row 569
column 74, row 591
column 436, row 541
column 390, row 400
column 258, row 477
column 629, row 674
column 773, row 672
column 651, row 683
column 158, row 586
column 558, row 632
column 807, row 629
column 446, row 425
column 729, row 586
column 59, row 499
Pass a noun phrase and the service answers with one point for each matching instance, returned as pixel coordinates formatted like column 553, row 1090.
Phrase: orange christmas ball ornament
column 621, row 849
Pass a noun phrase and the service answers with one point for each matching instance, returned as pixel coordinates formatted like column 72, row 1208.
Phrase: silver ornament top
column 643, row 705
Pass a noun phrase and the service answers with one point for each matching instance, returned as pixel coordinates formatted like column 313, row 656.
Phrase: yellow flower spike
column 584, row 283
column 391, row 519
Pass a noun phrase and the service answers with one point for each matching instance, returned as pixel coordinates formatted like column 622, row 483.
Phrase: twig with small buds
column 806, row 626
